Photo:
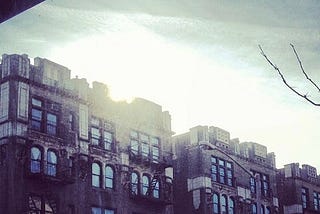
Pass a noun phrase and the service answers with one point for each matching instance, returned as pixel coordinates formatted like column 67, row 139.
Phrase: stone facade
column 215, row 177
column 68, row 148
column 299, row 189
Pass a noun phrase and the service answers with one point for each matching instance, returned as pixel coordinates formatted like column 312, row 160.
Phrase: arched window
column 134, row 183
column 51, row 163
column 109, row 177
column 96, row 175
column 35, row 165
column 231, row 206
column 254, row 208
column 156, row 190
column 215, row 202
column 145, row 184
column 223, row 201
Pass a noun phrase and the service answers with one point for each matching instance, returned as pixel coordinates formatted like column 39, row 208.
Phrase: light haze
column 198, row 59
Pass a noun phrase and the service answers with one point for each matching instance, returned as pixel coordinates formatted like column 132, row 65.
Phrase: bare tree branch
column 302, row 69
column 305, row 96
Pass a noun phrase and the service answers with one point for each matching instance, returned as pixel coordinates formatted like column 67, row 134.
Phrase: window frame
column 145, row 185
column 37, row 161
column 52, row 165
column 134, row 185
column 222, row 171
column 98, row 137
column 44, row 122
column 96, row 176
column 109, row 177
column 304, row 197
column 215, row 203
column 146, row 146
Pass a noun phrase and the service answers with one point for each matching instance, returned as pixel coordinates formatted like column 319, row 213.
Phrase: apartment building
column 299, row 189
column 222, row 177
column 66, row 147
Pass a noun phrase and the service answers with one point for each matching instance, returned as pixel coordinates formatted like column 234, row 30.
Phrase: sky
column 198, row 59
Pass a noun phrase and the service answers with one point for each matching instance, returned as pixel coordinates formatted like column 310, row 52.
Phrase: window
column 96, row 175
column 144, row 145
column 107, row 140
column 215, row 202
column 229, row 174
column 109, row 177
column 51, row 163
column 107, row 211
column 134, row 147
column 252, row 185
column 264, row 183
column 316, row 200
column 35, row 166
column 268, row 211
column 101, row 135
column 95, row 136
column 51, row 124
column 36, row 119
column 304, row 197
column 254, row 208
column 214, row 169
column 262, row 209
column 145, row 184
column 222, row 175
column 231, row 206
column 148, row 147
column 38, row 204
column 223, row 202
column 221, row 171
column 134, row 183
column 156, row 190
column 44, row 117
column 155, row 149
column 97, row 210
column 71, row 122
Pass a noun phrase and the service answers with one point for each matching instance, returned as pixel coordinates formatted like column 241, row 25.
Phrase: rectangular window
column 95, row 136
column 155, row 149
column 145, row 149
column 38, row 204
column 41, row 119
column 107, row 211
column 316, row 200
column 221, row 171
column 144, row 145
column 134, row 147
column 36, row 119
column 265, row 185
column 304, row 197
column 97, row 210
column 51, row 124
column 107, row 140
column 36, row 102
column 101, row 136
column 253, row 185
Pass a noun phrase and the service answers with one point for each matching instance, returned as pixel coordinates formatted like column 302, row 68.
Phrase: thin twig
column 302, row 69
column 284, row 80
